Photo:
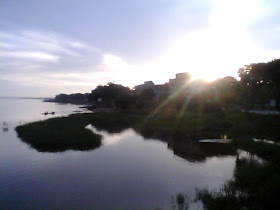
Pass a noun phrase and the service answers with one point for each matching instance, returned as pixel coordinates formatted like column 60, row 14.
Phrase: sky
column 68, row 46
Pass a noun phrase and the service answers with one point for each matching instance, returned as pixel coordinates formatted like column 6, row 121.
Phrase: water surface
column 126, row 172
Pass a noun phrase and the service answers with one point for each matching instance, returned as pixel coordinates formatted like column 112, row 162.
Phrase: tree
column 71, row 98
column 111, row 93
column 226, row 89
column 145, row 100
column 262, row 80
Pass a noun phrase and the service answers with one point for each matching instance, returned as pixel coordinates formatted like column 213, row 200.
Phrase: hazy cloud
column 41, row 56
column 49, row 51
column 32, row 58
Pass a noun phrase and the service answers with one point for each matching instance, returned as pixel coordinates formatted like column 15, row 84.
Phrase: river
column 126, row 172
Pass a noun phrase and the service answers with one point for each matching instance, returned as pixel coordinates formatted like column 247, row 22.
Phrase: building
column 158, row 90
column 147, row 85
column 180, row 81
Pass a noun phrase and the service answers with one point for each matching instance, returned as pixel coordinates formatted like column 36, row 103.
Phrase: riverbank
column 189, row 126
column 192, row 125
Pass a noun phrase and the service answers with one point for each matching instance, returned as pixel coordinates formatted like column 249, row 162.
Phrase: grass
column 223, row 199
column 114, row 122
column 255, row 185
column 266, row 151
column 60, row 134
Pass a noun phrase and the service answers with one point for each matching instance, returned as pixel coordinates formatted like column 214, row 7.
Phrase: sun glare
column 215, row 51
column 236, row 13
column 218, row 50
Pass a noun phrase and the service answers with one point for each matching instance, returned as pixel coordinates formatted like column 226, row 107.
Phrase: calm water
column 126, row 172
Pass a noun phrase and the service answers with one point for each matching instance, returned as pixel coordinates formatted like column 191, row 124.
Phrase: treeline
column 258, row 88
column 75, row 98
column 261, row 82
column 120, row 97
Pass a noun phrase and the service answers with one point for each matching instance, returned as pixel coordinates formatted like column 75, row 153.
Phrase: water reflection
column 112, row 129
column 267, row 141
column 199, row 152
column 5, row 127
column 111, row 137
column 249, row 157
column 62, row 147
column 189, row 150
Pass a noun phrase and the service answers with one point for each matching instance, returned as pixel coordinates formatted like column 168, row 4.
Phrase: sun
column 217, row 50
column 206, row 54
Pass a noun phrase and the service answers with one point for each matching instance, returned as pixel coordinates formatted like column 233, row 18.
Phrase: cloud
column 5, row 45
column 51, row 60
column 54, row 52
column 77, row 44
column 42, row 56
column 49, row 51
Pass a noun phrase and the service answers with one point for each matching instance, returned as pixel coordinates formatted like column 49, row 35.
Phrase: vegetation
column 181, row 202
column 75, row 98
column 255, row 185
column 181, row 131
column 261, row 82
column 269, row 152
column 115, row 122
column 60, row 134
column 191, row 125
column 111, row 96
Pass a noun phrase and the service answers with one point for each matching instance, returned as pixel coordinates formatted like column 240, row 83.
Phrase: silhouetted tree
column 262, row 81
column 110, row 94
column 147, row 94
column 72, row 98
column 145, row 100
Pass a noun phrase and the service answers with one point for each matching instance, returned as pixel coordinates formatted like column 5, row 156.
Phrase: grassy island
column 60, row 134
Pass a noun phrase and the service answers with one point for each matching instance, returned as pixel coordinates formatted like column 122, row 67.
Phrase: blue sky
column 49, row 47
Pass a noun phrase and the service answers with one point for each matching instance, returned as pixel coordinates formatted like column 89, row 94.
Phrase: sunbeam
column 170, row 98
